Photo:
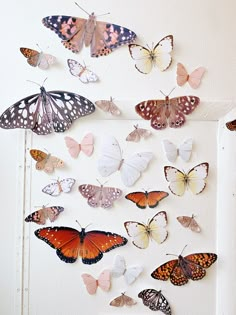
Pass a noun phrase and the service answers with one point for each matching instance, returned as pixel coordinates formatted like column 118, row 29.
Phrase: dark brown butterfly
column 231, row 125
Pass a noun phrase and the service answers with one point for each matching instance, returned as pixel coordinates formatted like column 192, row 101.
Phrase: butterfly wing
column 45, row 60
column 142, row 57
column 132, row 273
column 161, row 53
column 87, row 144
column 108, row 106
column 196, row 178
column 41, row 158
column 104, row 280
column 52, row 162
column 195, row 77
column 185, row 149
column 164, row 271
column 205, row 260
column 119, row 266
column 139, row 198
column 155, row 300
column 52, row 189
column 73, row 146
column 138, row 232
column 90, row 283
column 231, row 125
column 176, row 179
column 109, row 195
column 67, row 184
column 85, row 75
column 32, row 56
column 182, row 74
column 170, row 150
column 157, row 227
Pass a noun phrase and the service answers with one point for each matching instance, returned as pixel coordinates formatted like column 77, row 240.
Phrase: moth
column 45, row 162
column 194, row 78
column 38, row 59
column 122, row 300
column 108, row 106
column 137, row 134
column 82, row 72
column 189, row 222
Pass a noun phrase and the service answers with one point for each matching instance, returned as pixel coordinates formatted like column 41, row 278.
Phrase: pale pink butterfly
column 172, row 151
column 130, row 273
column 100, row 196
column 108, row 106
column 38, row 59
column 102, row 282
column 194, row 78
column 86, row 145
column 41, row 215
column 189, row 222
column 122, row 300
column 137, row 134
column 111, row 161
column 59, row 186
column 82, row 72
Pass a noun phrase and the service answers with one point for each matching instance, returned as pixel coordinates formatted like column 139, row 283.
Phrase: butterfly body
column 40, row 216
column 56, row 188
column 155, row 300
column 170, row 111
column 194, row 79
column 38, row 59
column 144, row 199
column 102, row 37
column 45, row 162
column 184, row 268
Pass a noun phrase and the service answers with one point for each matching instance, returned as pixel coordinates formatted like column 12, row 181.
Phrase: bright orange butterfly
column 70, row 243
column 184, row 268
column 144, row 199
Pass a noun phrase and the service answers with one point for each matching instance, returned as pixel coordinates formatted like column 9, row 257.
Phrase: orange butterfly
column 189, row 267
column 144, row 199
column 194, row 78
column 45, row 161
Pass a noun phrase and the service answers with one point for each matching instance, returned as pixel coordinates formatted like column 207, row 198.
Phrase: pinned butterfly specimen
column 45, row 162
column 122, row 300
column 103, row 282
column 54, row 189
column 184, row 150
column 159, row 56
column 38, row 59
column 40, row 216
column 86, row 145
column 180, row 181
column 46, row 112
column 154, row 230
column 111, row 161
column 189, row 267
column 137, row 134
column 130, row 273
column 144, row 199
column 102, row 37
column 108, row 106
column 170, row 111
column 100, row 196
column 194, row 78
column 82, row 72
column 71, row 243
column 189, row 222
column 155, row 300
column 231, row 125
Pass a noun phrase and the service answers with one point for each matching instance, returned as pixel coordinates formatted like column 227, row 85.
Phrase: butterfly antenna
column 162, row 93
column 172, row 91
column 103, row 14
column 183, row 249
column 44, row 81
column 81, row 8
column 136, row 126
column 101, row 183
column 39, row 47
column 33, row 82
column 78, row 223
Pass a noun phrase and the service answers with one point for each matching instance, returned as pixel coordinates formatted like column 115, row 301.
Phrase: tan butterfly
column 123, row 300
column 45, row 162
column 189, row 222
column 38, row 59
column 137, row 134
column 108, row 106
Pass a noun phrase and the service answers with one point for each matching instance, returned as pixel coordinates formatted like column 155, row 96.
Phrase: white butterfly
column 158, row 56
column 64, row 185
column 111, row 161
column 184, row 150
column 85, row 75
column 119, row 269
column 194, row 179
column 141, row 233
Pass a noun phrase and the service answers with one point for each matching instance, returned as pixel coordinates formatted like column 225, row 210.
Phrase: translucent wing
column 85, row 75
column 189, row 222
column 155, row 300
column 185, row 149
column 195, row 77
column 40, row 216
column 119, row 266
column 196, row 178
column 91, row 283
column 177, row 180
column 170, row 149
column 108, row 106
column 143, row 58
column 123, row 300
column 137, row 134
column 73, row 146
column 87, row 144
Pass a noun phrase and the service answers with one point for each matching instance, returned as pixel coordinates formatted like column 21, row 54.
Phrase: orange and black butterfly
column 231, row 125
column 71, row 243
column 144, row 199
column 189, row 267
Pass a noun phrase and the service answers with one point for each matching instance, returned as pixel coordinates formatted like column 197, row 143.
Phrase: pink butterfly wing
column 90, row 283
column 195, row 77
column 73, row 146
column 182, row 74
column 87, row 144
column 104, row 280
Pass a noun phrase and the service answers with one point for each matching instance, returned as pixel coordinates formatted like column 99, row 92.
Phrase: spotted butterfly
column 46, row 112
column 102, row 37
column 155, row 300
column 40, row 216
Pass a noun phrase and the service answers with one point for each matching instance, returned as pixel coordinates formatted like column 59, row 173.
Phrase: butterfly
column 108, row 106
column 46, row 112
column 64, row 185
column 71, row 243
column 130, row 273
column 102, row 37
column 40, row 216
column 231, row 125
column 189, row 222
column 86, row 145
column 184, row 150
column 137, row 134
column 122, row 300
column 111, row 161
column 100, row 196
column 159, row 56
column 38, row 59
column 194, row 79
column 170, row 111
column 155, row 230
column 92, row 284
column 155, row 300
column 45, row 162
column 144, row 199
column 82, row 72
column 189, row 267
column 194, row 179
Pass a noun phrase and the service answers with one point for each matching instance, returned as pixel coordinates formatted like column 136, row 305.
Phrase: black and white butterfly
column 155, row 300
column 46, row 112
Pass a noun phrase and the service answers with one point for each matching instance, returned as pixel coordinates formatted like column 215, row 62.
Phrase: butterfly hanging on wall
column 194, row 78
column 172, row 151
column 231, row 125
column 137, row 134
column 144, row 199
column 154, row 230
column 100, row 196
column 111, row 161
column 71, row 243
column 45, row 162
column 38, row 59
column 103, row 281
column 122, row 300
column 146, row 58
column 82, row 72
column 189, row 267
column 102, row 37
column 46, row 112
column 108, row 106
column 40, row 216
column 155, row 300
column 194, row 179
column 86, row 145
column 189, row 222
column 54, row 189
column 170, row 111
